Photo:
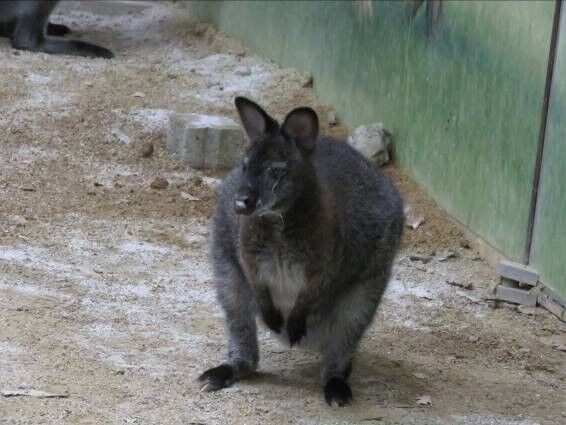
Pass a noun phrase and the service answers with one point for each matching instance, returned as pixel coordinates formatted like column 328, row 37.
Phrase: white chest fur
column 285, row 280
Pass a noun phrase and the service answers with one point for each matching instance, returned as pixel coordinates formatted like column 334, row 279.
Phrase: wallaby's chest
column 284, row 277
column 275, row 262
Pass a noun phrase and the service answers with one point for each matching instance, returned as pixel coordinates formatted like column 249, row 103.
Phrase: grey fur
column 310, row 254
column 25, row 23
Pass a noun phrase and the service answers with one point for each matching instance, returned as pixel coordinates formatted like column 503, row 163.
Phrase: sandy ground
column 105, row 286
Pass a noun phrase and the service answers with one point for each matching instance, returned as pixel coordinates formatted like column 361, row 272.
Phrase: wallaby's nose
column 244, row 203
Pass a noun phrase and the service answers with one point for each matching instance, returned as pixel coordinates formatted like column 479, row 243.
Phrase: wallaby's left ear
column 301, row 124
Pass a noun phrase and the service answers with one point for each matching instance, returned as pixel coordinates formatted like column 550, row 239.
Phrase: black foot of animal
column 337, row 391
column 57, row 29
column 273, row 319
column 296, row 328
column 217, row 378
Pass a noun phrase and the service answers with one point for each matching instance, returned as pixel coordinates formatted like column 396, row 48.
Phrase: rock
column 446, row 254
column 146, row 149
column 463, row 285
column 205, row 141
column 331, row 118
column 529, row 311
column 18, row 220
column 199, row 29
column 424, row 400
column 422, row 258
column 560, row 347
column 473, row 338
column 419, row 375
column 415, row 223
column 188, row 197
column 138, row 94
column 159, row 183
column 464, row 243
column 243, row 71
column 372, row 141
column 307, row 80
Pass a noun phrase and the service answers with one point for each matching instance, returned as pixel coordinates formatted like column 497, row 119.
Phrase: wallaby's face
column 276, row 167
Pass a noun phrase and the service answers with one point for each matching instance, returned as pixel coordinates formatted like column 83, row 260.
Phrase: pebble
column 529, row 311
column 331, row 117
column 147, row 149
column 159, row 183
column 243, row 71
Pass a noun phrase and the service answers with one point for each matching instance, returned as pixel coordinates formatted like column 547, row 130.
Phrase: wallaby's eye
column 277, row 170
column 275, row 173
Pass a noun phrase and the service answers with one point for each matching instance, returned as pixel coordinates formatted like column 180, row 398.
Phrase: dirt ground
column 105, row 286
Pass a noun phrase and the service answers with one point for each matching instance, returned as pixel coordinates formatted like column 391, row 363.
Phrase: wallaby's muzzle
column 245, row 202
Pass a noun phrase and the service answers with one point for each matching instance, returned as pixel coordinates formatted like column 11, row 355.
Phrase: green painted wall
column 548, row 254
column 464, row 105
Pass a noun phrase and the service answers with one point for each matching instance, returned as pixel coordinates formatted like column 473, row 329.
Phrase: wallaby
column 25, row 22
column 304, row 235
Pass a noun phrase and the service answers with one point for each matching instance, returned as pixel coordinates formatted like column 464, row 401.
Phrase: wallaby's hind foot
column 57, row 29
column 226, row 374
column 217, row 378
column 337, row 392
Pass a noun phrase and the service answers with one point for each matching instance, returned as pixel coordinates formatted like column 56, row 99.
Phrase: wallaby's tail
column 74, row 47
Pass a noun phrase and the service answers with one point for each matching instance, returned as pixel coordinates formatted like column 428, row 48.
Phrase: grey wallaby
column 26, row 24
column 304, row 236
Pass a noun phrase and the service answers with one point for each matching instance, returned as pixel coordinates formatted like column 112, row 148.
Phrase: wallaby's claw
column 217, row 378
column 273, row 319
column 337, row 392
column 296, row 329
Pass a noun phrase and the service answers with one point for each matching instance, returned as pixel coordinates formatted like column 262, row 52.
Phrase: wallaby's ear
column 255, row 120
column 301, row 124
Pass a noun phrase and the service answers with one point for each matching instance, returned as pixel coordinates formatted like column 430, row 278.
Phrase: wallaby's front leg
column 297, row 324
column 271, row 316
column 236, row 298
column 306, row 300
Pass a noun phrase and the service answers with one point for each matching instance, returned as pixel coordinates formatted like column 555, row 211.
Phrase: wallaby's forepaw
column 296, row 328
column 217, row 378
column 338, row 392
column 273, row 319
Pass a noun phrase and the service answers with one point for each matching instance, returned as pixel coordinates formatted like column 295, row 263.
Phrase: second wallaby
column 304, row 236
column 26, row 23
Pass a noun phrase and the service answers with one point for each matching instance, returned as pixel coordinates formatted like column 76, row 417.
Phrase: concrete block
column 372, row 141
column 205, row 141
column 518, row 272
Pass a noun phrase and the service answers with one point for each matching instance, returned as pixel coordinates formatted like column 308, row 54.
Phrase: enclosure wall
column 462, row 94
column 548, row 253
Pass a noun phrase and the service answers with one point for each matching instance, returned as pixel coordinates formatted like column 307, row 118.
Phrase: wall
column 548, row 253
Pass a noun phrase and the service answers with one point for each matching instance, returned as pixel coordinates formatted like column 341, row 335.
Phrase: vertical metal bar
column 542, row 130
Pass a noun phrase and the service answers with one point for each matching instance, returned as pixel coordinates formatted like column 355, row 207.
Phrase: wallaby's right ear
column 256, row 121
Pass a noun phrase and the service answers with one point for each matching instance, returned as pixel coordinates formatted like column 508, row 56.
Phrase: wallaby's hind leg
column 355, row 313
column 57, row 29
column 236, row 298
